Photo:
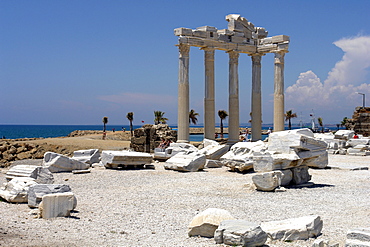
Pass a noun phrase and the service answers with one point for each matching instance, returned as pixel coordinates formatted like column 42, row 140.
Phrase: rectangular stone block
column 236, row 39
column 279, row 38
column 37, row 191
column 57, row 205
column 207, row 29
column 181, row 31
column 200, row 34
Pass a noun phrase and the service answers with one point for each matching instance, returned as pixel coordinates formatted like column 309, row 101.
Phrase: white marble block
column 358, row 237
column 186, row 162
column 240, row 232
column 57, row 205
column 205, row 223
column 301, row 228
column 267, row 181
column 16, row 190
column 61, row 163
column 37, row 191
column 89, row 156
column 40, row 174
column 115, row 159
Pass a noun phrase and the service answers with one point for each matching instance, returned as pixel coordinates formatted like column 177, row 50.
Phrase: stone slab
column 16, row 190
column 186, row 162
column 301, row 228
column 115, row 159
column 60, row 163
column 240, row 232
column 39, row 173
column 37, row 191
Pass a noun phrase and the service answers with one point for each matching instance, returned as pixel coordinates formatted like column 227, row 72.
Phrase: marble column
column 279, row 92
column 233, row 97
column 256, row 97
column 183, row 94
column 209, row 97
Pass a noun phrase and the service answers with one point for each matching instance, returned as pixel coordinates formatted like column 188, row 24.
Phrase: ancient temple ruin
column 360, row 121
column 241, row 36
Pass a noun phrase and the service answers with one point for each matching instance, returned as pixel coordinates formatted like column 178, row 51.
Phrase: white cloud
column 339, row 90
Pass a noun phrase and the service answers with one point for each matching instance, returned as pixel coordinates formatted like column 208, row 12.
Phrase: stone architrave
column 89, row 156
column 115, row 159
column 267, row 181
column 205, row 223
column 183, row 94
column 40, row 174
column 186, row 162
column 37, row 191
column 301, row 228
column 16, row 190
column 61, row 163
column 358, row 237
column 57, row 205
column 240, row 232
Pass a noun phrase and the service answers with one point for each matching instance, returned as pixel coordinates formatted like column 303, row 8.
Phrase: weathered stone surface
column 267, row 181
column 16, row 190
column 240, row 232
column 294, row 229
column 57, row 205
column 359, row 237
column 60, row 163
column 186, row 162
column 324, row 243
column 88, row 156
column 344, row 134
column 213, row 164
column 265, row 162
column 173, row 149
column 37, row 191
column 355, row 142
column 240, row 156
column 300, row 175
column 213, row 150
column 205, row 223
column 287, row 177
column 115, row 159
column 40, row 174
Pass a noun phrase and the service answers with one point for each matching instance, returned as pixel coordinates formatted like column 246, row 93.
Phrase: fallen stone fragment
column 267, row 181
column 186, row 162
column 16, row 190
column 240, row 232
column 81, row 171
column 61, row 163
column 324, row 243
column 205, row 223
column 213, row 150
column 88, row 156
column 359, row 237
column 301, row 228
column 40, row 174
column 37, row 191
column 300, row 175
column 115, row 159
column 57, row 205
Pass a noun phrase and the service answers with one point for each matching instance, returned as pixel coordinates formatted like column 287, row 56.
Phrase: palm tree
column 344, row 122
column 130, row 117
column 288, row 116
column 158, row 117
column 223, row 115
column 105, row 121
column 320, row 123
column 193, row 117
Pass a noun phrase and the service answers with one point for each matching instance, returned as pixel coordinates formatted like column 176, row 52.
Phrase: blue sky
column 74, row 62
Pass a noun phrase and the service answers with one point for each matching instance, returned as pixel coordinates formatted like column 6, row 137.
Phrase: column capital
column 256, row 57
column 207, row 48
column 279, row 57
column 184, row 50
column 233, row 56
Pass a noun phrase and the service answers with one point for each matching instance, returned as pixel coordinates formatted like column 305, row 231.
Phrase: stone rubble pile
column 344, row 143
column 225, row 229
column 287, row 158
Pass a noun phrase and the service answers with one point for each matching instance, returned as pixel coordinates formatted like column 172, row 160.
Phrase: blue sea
column 45, row 131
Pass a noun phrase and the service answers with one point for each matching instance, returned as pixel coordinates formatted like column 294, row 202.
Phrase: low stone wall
column 148, row 137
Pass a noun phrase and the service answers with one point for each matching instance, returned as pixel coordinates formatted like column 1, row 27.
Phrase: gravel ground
column 153, row 207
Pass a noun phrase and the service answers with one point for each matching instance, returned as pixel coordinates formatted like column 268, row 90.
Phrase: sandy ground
column 153, row 207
